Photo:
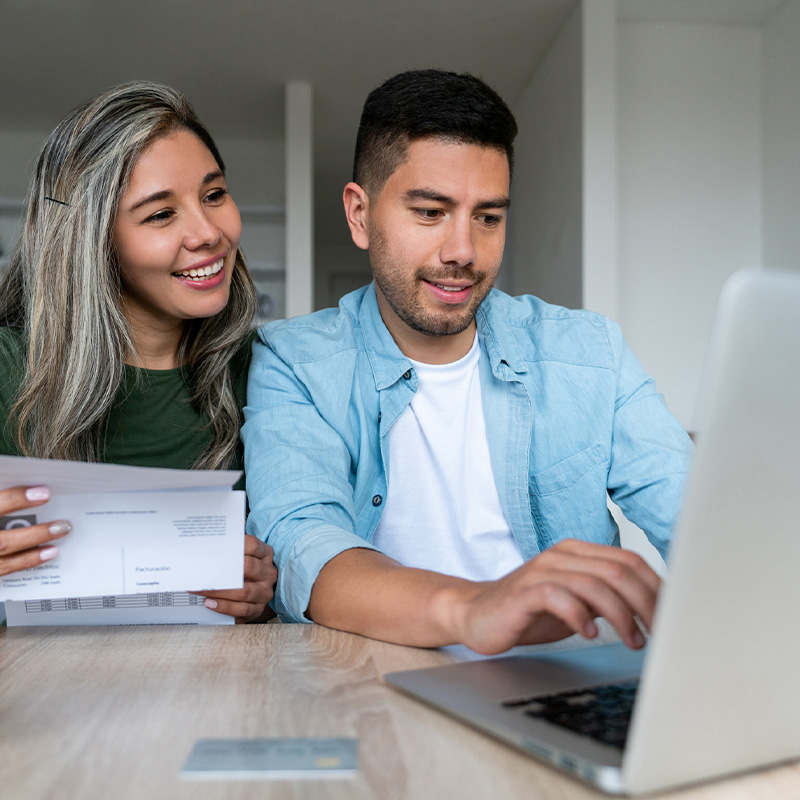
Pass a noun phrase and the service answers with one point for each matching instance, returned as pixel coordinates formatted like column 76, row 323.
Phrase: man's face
column 435, row 235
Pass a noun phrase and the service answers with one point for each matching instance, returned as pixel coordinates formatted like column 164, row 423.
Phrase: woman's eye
column 160, row 216
column 215, row 195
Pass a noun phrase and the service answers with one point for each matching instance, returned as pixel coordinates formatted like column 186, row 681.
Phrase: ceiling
column 233, row 57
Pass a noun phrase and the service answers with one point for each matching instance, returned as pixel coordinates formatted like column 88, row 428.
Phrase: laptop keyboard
column 602, row 712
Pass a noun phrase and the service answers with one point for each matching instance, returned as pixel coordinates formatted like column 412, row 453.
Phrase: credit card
column 272, row 759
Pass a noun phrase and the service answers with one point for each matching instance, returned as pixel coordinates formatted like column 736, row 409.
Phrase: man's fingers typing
column 625, row 573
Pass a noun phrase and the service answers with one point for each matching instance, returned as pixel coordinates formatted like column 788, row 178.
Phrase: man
column 430, row 461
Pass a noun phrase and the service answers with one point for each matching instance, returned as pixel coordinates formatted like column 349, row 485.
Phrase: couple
column 430, row 462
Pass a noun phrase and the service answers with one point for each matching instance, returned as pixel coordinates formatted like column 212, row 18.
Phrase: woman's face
column 176, row 234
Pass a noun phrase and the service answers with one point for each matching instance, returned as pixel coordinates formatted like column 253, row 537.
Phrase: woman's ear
column 356, row 209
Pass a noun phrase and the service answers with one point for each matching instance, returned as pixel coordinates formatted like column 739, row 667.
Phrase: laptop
column 715, row 691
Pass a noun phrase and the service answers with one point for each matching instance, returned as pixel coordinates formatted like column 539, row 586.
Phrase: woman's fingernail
column 210, row 603
column 62, row 526
column 37, row 494
column 46, row 553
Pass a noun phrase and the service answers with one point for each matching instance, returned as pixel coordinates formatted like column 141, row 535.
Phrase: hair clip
column 53, row 200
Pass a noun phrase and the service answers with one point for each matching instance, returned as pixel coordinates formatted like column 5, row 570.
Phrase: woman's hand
column 20, row 547
column 249, row 604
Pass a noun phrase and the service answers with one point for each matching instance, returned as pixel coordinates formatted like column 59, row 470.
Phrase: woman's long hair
column 63, row 287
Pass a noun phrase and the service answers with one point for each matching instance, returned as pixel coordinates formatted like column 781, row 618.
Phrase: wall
column 18, row 151
column 339, row 269
column 544, row 249
column 689, row 188
column 781, row 149
column 600, row 260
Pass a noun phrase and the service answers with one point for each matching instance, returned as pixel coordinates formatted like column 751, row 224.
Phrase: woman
column 125, row 313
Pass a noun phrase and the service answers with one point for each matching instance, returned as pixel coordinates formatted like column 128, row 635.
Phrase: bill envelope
column 134, row 529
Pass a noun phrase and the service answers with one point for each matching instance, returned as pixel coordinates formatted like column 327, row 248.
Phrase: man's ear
column 356, row 208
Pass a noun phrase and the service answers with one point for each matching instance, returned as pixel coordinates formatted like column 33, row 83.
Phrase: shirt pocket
column 568, row 500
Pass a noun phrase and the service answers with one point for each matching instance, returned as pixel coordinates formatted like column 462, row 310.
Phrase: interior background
column 659, row 145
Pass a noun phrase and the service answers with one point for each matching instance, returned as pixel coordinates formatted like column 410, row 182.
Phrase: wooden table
column 113, row 712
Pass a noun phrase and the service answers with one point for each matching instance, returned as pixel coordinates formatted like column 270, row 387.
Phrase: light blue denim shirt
column 570, row 416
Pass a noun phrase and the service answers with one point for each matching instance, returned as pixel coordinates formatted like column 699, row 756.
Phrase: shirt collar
column 497, row 335
column 385, row 357
column 389, row 364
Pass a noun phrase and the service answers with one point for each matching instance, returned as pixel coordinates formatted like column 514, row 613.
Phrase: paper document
column 77, row 477
column 162, row 608
column 129, row 541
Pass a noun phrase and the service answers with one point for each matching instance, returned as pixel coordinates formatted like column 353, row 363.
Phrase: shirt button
column 407, row 374
column 377, row 500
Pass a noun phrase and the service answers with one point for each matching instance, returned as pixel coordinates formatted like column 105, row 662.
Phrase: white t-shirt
column 442, row 510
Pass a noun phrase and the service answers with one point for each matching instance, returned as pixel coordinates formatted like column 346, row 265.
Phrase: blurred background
column 659, row 145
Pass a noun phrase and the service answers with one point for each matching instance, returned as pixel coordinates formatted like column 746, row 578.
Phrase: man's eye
column 430, row 213
column 491, row 220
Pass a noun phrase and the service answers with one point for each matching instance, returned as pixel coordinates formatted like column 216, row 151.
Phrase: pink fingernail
column 46, row 553
column 37, row 494
column 210, row 603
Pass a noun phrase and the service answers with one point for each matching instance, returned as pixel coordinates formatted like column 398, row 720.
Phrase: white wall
column 544, row 251
column 339, row 269
column 18, row 151
column 256, row 171
column 782, row 137
column 689, row 188
column 299, row 198
column 600, row 258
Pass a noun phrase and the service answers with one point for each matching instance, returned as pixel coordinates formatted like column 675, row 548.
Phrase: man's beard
column 403, row 297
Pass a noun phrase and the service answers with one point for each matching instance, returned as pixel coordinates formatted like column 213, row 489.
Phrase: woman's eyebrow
column 213, row 176
column 151, row 198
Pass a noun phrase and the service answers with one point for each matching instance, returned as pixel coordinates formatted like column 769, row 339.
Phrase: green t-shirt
column 153, row 422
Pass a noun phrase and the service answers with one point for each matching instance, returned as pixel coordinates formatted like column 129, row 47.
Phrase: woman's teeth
column 203, row 272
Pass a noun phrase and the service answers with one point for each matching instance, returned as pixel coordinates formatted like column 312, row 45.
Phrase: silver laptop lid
column 718, row 693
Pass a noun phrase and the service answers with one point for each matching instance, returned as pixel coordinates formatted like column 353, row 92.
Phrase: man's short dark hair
column 427, row 103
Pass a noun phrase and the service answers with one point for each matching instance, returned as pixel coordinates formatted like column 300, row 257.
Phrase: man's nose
column 458, row 249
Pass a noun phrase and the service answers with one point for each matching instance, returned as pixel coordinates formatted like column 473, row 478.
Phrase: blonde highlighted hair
column 63, row 287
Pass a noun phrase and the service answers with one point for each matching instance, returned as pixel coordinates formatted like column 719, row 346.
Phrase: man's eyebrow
column 437, row 197
column 429, row 194
column 496, row 202
column 165, row 193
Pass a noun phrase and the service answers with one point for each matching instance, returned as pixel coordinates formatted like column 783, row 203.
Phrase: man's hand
column 249, row 604
column 557, row 593
column 20, row 548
